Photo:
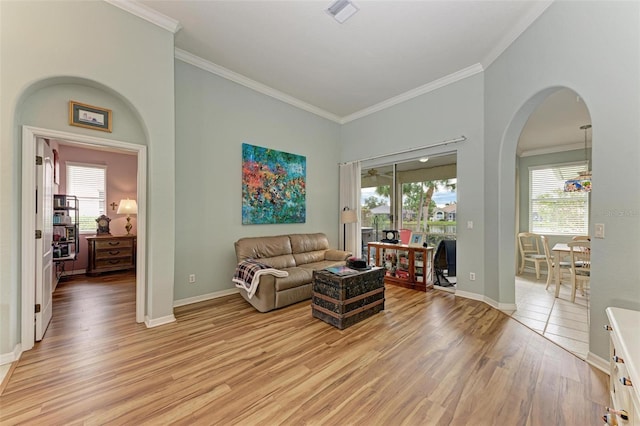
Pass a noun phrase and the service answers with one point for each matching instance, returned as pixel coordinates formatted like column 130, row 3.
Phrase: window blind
column 551, row 210
column 88, row 183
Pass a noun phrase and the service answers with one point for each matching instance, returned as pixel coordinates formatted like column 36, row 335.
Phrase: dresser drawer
column 114, row 252
column 115, row 243
column 113, row 263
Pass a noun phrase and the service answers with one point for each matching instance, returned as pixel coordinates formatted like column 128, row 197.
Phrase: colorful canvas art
column 273, row 186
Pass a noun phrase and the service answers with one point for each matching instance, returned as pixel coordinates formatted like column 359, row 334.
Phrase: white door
column 44, row 251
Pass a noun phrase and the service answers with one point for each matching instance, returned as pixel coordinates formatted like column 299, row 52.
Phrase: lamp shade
column 128, row 207
column 348, row 216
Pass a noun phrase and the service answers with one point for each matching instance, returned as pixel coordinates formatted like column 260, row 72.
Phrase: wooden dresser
column 111, row 253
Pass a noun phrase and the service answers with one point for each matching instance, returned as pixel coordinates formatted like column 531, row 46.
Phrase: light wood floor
column 428, row 359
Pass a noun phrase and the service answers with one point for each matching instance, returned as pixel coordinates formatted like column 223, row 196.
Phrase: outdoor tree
column 426, row 201
column 372, row 202
column 418, row 197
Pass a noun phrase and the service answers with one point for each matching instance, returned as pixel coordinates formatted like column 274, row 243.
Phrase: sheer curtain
column 350, row 197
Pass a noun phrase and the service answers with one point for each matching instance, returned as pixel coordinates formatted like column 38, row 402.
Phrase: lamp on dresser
column 128, row 207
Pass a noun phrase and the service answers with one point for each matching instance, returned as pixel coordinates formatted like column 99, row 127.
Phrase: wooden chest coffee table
column 343, row 300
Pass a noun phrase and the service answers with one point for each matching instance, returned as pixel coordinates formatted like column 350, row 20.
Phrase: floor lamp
column 347, row 216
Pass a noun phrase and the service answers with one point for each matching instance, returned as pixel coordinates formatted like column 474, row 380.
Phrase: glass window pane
column 88, row 183
column 553, row 211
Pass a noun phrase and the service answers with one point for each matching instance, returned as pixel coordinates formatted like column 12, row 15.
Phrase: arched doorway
column 37, row 119
column 545, row 139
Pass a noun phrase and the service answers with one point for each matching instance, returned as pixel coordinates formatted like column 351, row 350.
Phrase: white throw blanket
column 248, row 273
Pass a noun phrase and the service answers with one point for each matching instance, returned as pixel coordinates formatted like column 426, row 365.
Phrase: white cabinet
column 624, row 386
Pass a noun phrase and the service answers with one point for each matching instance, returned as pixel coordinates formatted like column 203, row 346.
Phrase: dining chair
column 551, row 267
column 580, row 257
column 581, row 238
column 530, row 251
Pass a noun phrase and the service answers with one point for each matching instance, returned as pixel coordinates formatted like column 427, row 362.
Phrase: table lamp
column 128, row 207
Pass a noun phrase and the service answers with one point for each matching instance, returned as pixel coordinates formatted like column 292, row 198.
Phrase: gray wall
column 593, row 49
column 443, row 114
column 129, row 62
column 214, row 116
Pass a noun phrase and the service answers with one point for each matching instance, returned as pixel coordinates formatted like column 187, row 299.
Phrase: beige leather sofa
column 299, row 255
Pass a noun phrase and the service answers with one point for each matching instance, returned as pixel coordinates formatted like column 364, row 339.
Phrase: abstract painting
column 273, row 186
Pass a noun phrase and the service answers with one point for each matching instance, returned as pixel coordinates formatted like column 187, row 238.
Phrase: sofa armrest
column 264, row 300
column 336, row 255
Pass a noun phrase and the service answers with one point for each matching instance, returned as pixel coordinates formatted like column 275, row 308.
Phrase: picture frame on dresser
column 417, row 239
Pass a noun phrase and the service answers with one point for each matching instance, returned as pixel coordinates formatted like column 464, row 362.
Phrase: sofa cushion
column 304, row 243
column 308, row 257
column 316, row 266
column 297, row 276
column 273, row 251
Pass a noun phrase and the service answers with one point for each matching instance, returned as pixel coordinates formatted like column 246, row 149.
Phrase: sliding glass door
column 411, row 196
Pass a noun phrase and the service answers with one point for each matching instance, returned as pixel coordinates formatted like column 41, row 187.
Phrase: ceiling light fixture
column 583, row 182
column 424, row 159
column 341, row 10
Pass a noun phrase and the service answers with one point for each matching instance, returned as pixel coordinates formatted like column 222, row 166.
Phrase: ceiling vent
column 341, row 10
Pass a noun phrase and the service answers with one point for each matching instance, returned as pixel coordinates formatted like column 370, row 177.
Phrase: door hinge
column 37, row 308
column 38, row 160
column 38, row 234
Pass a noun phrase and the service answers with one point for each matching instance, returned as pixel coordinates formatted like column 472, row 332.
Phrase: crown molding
column 148, row 14
column 226, row 73
column 418, row 91
column 525, row 22
column 223, row 72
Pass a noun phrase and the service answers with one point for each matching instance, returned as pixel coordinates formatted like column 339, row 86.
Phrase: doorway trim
column 29, row 136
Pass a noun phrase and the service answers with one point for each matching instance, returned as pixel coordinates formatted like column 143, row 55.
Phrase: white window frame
column 71, row 192
column 570, row 200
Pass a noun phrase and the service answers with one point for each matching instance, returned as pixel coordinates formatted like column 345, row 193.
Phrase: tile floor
column 557, row 319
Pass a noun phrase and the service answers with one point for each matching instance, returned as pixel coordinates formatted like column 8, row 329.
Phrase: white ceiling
column 388, row 52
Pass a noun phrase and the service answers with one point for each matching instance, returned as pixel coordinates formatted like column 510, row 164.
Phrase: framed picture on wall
column 89, row 116
column 417, row 239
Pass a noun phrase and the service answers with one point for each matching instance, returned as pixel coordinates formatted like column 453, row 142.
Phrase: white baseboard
column 469, row 295
column 600, row 363
column 155, row 322
column 204, row 297
column 9, row 357
column 508, row 308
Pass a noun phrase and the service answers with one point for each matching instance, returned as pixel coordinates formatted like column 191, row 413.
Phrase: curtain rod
column 447, row 142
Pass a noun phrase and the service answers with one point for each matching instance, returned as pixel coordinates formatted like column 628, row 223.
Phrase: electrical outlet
column 472, row 276
column 469, row 224
column 192, row 278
